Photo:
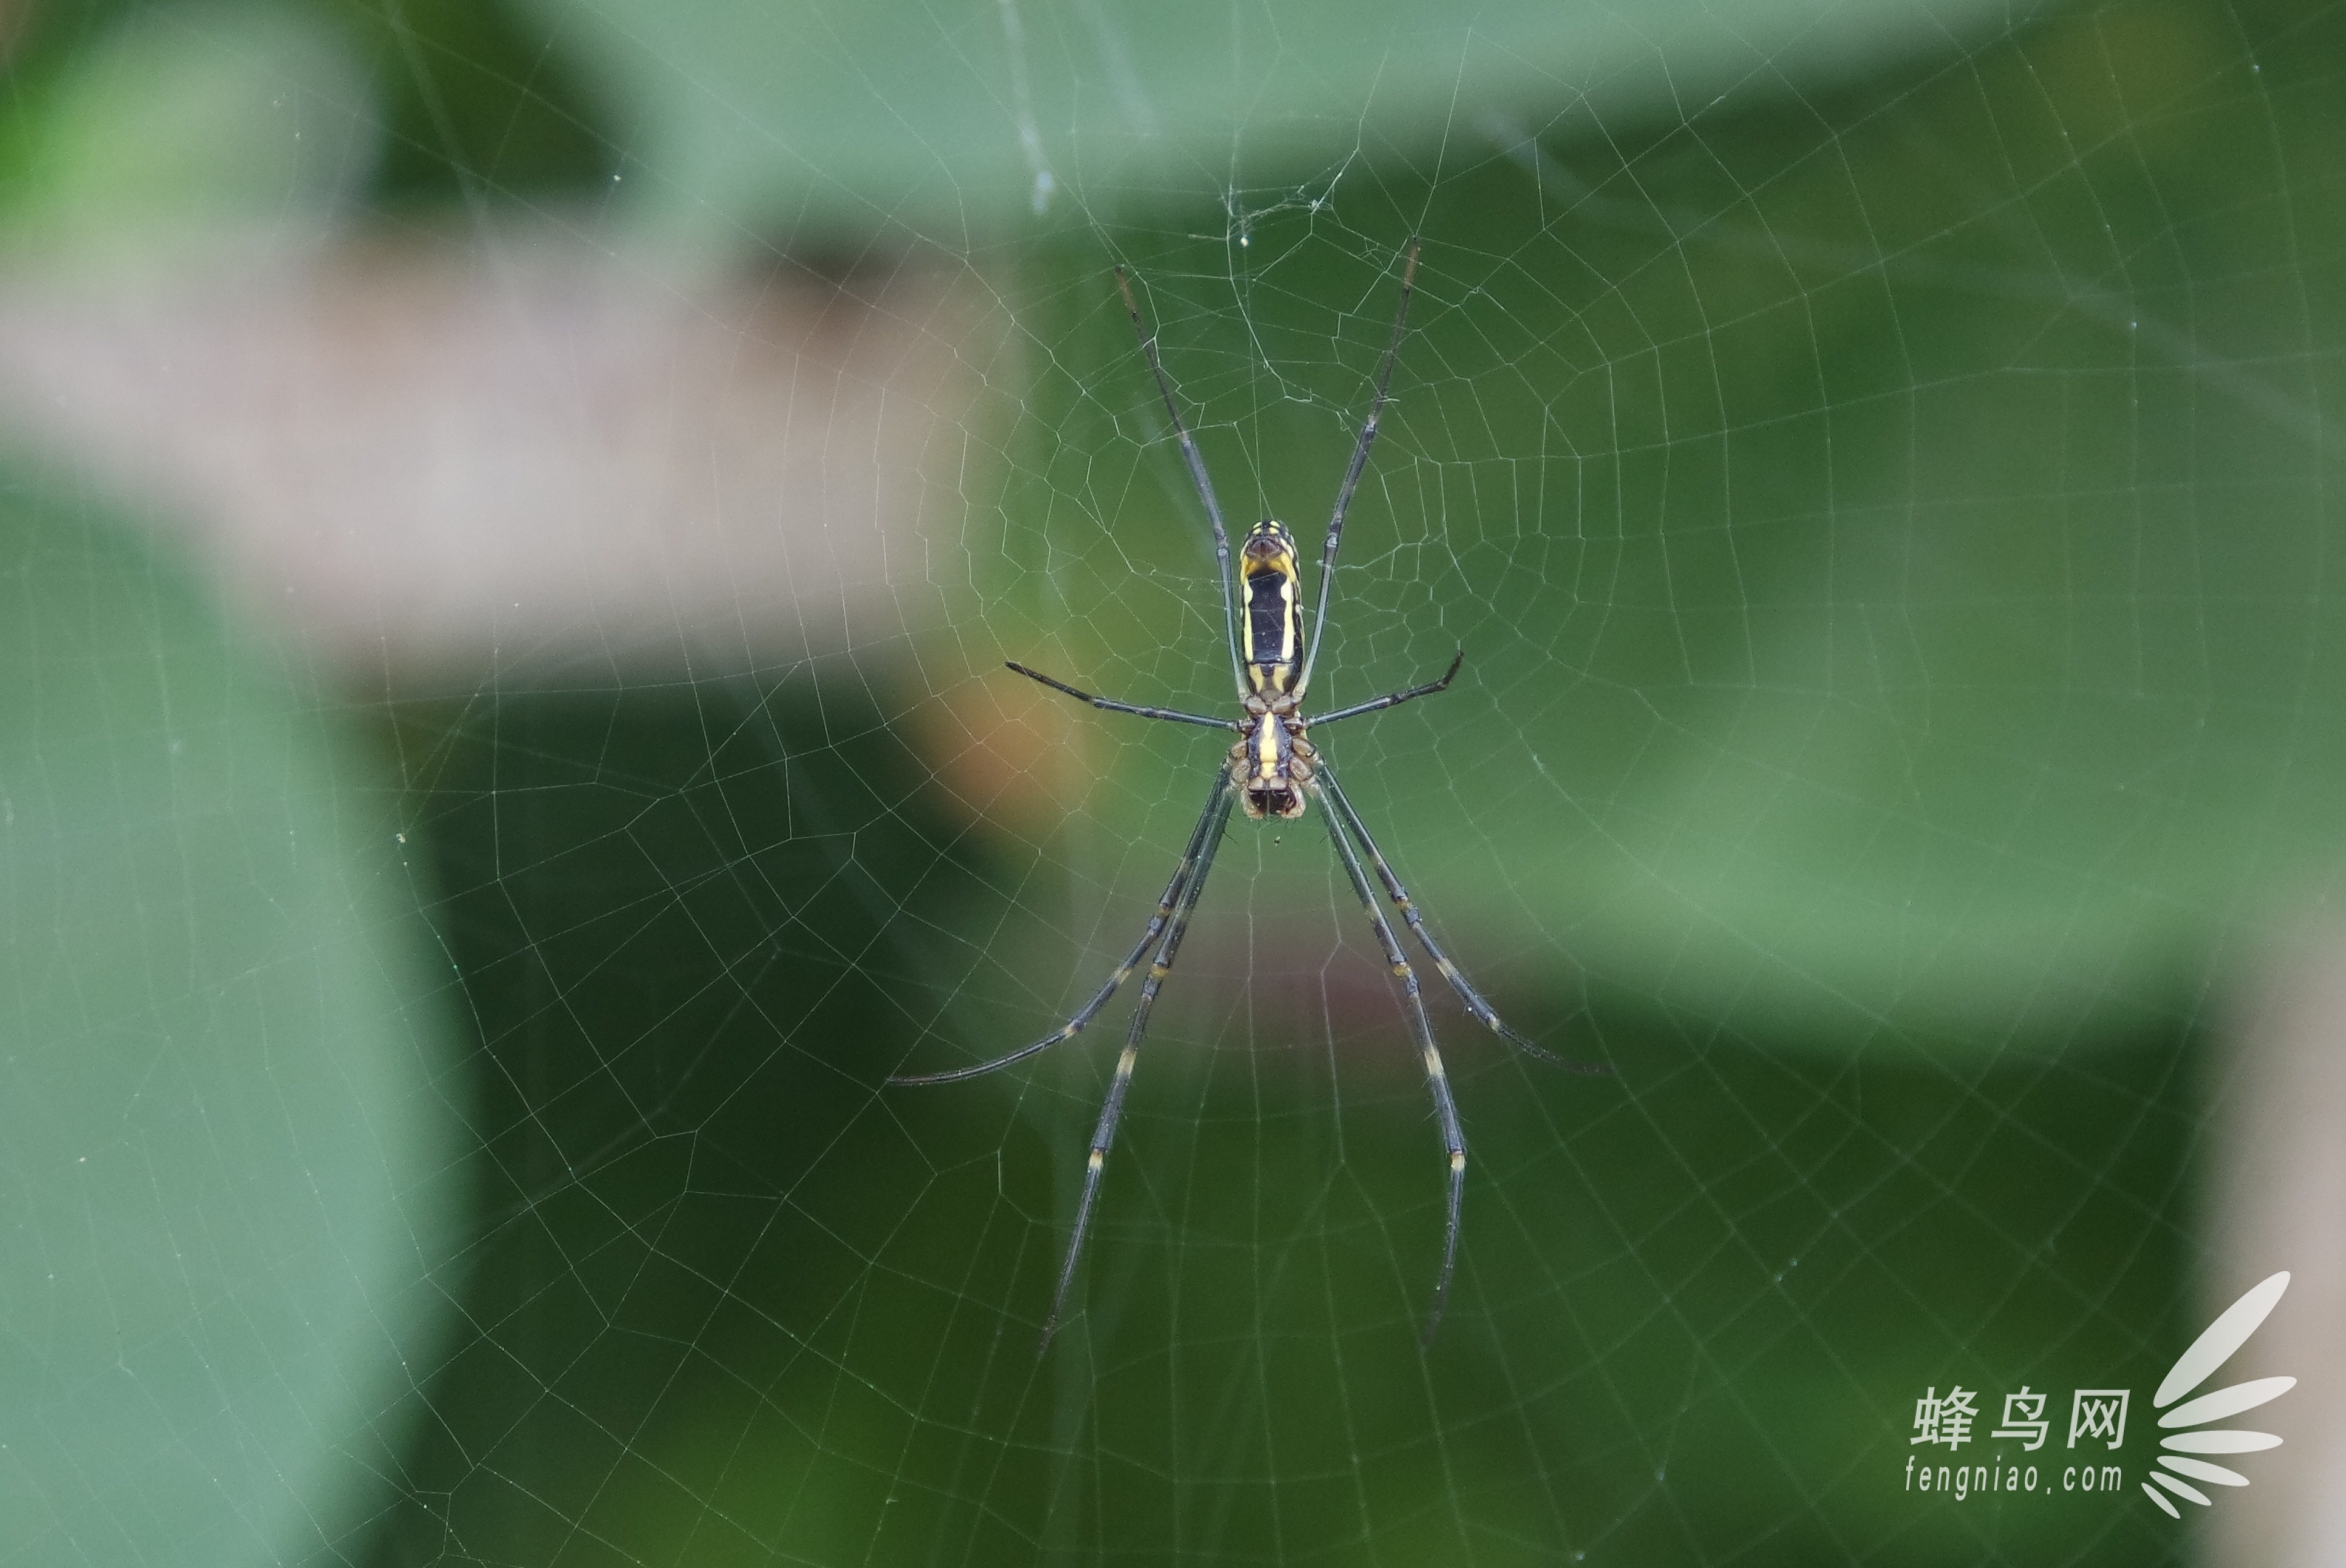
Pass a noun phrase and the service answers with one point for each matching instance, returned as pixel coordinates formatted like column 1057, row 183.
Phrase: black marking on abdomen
column 1267, row 612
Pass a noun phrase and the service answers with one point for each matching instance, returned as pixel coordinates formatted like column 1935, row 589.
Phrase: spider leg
column 1395, row 698
column 1437, row 1082
column 1197, row 474
column 1175, row 714
column 1482, row 1011
column 1218, row 816
column 1090, row 1010
column 1352, row 473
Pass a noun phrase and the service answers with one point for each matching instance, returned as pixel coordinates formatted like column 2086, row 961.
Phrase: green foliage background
column 1877, row 462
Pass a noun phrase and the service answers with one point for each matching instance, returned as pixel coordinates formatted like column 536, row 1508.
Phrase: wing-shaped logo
column 2195, row 1367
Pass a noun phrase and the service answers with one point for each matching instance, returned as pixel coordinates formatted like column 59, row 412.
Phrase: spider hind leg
column 1477, row 1006
column 1218, row 816
column 1116, row 976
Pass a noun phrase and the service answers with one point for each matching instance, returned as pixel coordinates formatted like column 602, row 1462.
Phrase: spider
column 1271, row 772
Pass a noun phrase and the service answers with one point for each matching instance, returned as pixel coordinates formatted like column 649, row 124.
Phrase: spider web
column 1882, row 506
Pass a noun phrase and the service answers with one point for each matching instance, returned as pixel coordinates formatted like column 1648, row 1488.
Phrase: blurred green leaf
column 476, row 103
column 225, row 1152
column 837, row 120
column 190, row 117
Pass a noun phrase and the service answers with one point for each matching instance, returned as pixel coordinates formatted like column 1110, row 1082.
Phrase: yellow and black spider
column 1270, row 772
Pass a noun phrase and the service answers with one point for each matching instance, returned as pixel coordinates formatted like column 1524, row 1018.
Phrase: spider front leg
column 1354, row 469
column 1197, row 476
column 1437, row 1081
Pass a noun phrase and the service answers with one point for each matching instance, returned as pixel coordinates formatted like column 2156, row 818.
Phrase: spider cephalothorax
column 1271, row 772
column 1270, row 766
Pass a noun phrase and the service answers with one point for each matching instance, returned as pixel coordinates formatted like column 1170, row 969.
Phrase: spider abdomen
column 1270, row 623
